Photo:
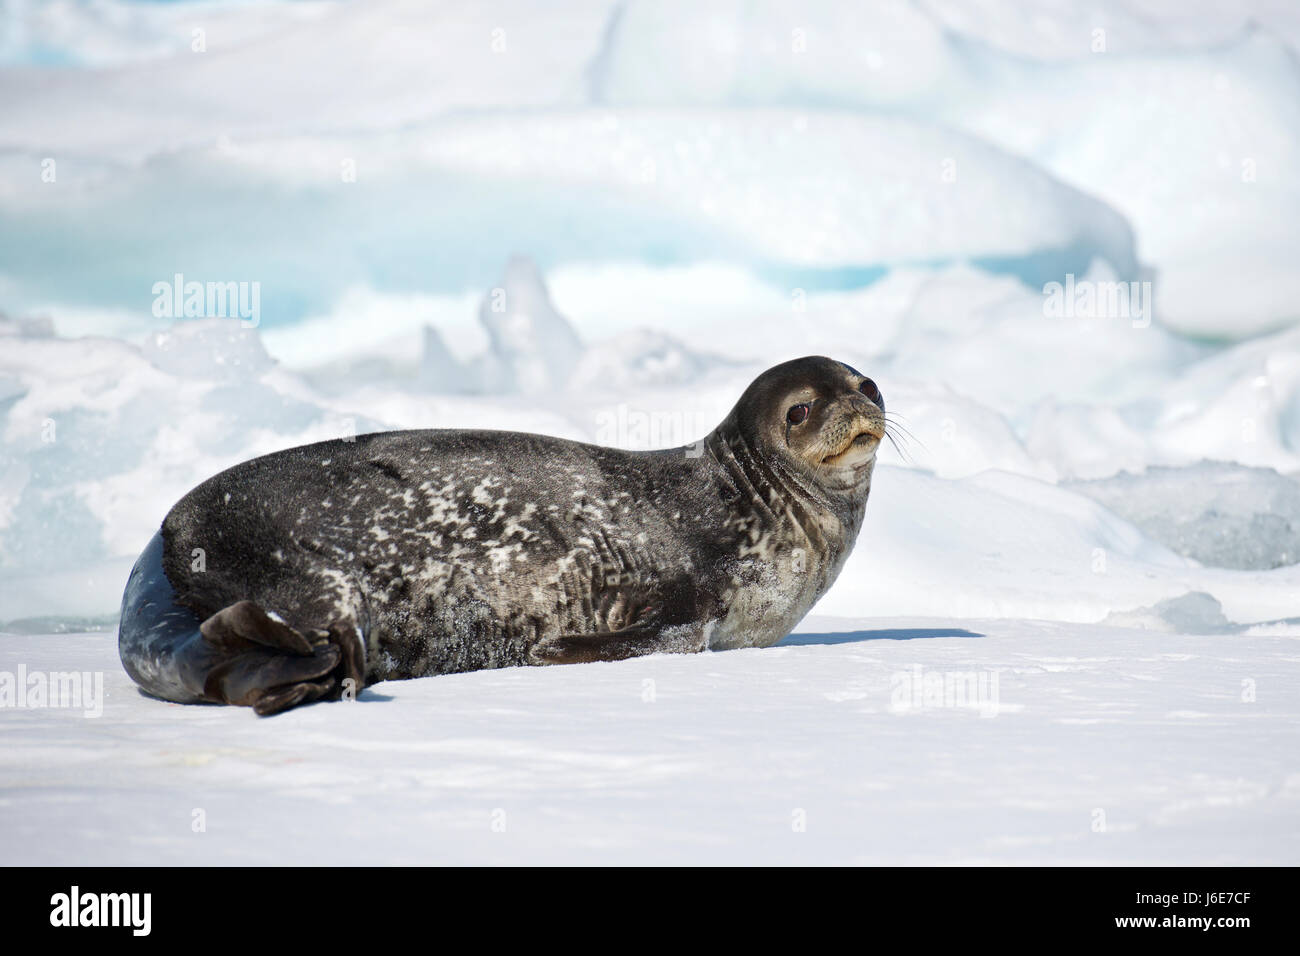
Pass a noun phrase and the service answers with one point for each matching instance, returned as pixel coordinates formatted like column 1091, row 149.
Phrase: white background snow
column 600, row 220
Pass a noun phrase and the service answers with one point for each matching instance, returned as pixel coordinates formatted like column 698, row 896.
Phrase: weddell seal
column 312, row 572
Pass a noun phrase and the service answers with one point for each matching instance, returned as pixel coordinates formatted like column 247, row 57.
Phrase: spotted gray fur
column 438, row 551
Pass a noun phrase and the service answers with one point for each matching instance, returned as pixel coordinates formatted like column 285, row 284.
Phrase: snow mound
column 807, row 189
column 1221, row 514
column 808, row 199
column 997, row 544
column 825, row 136
column 530, row 346
column 1198, row 159
column 372, row 65
column 1240, row 403
column 208, row 349
column 115, row 33
column 1151, row 111
column 100, row 436
column 1192, row 613
column 993, row 340
column 439, row 369
column 877, row 53
column 533, row 347
column 640, row 358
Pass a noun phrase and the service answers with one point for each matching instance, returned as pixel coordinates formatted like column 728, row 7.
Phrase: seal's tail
column 240, row 655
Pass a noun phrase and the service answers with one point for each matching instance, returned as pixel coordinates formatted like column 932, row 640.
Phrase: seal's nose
column 870, row 389
column 868, row 411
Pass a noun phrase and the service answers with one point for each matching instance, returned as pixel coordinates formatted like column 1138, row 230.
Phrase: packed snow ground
column 1096, row 745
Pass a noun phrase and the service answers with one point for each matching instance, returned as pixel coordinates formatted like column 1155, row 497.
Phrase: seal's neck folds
column 779, row 497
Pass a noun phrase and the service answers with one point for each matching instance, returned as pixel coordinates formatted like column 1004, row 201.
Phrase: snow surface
column 809, row 752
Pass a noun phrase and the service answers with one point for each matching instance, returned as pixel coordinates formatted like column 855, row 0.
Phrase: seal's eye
column 797, row 415
column 872, row 391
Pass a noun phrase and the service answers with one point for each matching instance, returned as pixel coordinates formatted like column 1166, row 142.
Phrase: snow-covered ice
column 1095, row 745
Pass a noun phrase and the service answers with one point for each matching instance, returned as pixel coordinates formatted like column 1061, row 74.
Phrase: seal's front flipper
column 252, row 659
column 634, row 641
column 633, row 618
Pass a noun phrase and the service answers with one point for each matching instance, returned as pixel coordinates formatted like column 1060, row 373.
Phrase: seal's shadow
column 367, row 695
column 884, row 634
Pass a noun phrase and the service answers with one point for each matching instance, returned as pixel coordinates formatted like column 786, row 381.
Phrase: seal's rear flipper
column 263, row 663
column 256, row 661
column 238, row 626
column 239, row 655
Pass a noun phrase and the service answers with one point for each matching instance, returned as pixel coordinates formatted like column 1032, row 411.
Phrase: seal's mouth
column 858, row 451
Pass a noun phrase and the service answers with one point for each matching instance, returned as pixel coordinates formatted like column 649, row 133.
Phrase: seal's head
column 822, row 418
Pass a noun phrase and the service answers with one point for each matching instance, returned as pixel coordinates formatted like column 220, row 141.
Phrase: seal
column 310, row 573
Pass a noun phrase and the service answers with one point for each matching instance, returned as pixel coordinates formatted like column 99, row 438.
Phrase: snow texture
column 1101, row 745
